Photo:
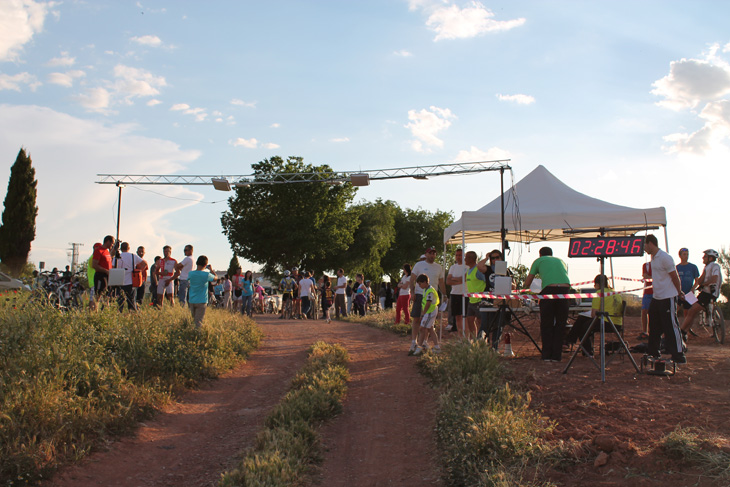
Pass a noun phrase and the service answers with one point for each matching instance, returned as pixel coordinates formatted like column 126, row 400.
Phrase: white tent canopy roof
column 541, row 207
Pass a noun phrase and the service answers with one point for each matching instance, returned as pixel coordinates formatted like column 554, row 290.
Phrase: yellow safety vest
column 434, row 302
column 474, row 284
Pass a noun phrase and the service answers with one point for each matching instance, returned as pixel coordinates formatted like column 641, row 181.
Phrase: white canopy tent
column 541, row 207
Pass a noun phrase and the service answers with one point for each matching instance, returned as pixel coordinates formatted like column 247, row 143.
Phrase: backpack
column 136, row 275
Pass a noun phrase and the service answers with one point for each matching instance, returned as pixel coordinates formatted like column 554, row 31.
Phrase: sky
column 624, row 101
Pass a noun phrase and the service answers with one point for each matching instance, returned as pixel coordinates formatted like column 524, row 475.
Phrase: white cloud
column 275, row 125
column 19, row 21
column 65, row 79
column 270, row 145
column 241, row 103
column 520, row 99
column 135, row 82
column 57, row 141
column 153, row 102
column 199, row 113
column 402, row 53
column 340, row 139
column 65, row 60
column 709, row 138
column 251, row 143
column 425, row 124
column 15, row 81
column 691, row 82
column 95, row 100
column 453, row 22
column 148, row 40
column 475, row 154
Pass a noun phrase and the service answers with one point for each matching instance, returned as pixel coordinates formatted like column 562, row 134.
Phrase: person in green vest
column 430, row 309
column 476, row 282
column 90, row 271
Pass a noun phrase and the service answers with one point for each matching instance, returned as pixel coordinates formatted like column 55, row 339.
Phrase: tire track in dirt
column 384, row 436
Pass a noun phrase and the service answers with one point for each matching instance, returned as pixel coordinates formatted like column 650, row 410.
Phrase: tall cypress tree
column 235, row 264
column 18, row 222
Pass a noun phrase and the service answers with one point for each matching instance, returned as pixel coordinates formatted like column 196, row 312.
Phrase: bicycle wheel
column 718, row 324
column 55, row 300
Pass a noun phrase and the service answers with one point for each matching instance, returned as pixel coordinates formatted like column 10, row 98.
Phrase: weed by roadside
column 68, row 380
column 698, row 448
column 285, row 451
column 487, row 432
column 384, row 320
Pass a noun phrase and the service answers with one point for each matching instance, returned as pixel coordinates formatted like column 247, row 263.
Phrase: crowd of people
column 421, row 293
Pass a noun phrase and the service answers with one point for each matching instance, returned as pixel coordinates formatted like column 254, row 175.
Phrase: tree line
column 317, row 226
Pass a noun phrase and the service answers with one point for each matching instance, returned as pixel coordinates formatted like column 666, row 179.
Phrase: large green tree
column 415, row 231
column 18, row 221
column 283, row 225
column 373, row 238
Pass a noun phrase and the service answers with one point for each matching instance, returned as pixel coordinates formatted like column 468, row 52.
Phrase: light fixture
column 423, row 178
column 221, row 184
column 361, row 179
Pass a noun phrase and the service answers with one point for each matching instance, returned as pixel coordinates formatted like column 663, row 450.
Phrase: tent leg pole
column 666, row 239
column 463, row 281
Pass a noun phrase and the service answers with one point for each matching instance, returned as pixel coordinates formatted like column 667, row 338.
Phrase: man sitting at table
column 613, row 305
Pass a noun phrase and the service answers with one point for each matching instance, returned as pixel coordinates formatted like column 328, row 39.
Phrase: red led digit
column 599, row 247
column 625, row 246
column 636, row 247
column 575, row 247
column 585, row 250
column 611, row 247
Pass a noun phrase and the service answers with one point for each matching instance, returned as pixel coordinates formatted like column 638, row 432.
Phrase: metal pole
column 119, row 207
column 503, row 231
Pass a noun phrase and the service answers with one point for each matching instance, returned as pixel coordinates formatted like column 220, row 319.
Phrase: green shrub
column 69, row 379
column 286, row 450
column 487, row 432
column 384, row 320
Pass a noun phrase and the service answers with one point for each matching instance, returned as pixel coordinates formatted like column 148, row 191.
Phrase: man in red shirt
column 101, row 261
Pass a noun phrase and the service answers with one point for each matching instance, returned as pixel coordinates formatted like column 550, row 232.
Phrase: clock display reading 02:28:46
column 606, row 247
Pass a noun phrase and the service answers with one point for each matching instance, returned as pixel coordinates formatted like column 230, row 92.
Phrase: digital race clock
column 606, row 247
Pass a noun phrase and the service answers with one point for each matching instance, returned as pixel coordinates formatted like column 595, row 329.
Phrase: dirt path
column 387, row 423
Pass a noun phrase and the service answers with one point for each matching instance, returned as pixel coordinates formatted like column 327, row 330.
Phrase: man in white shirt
column 709, row 283
column 340, row 306
column 127, row 261
column 435, row 274
column 663, row 307
column 306, row 291
column 455, row 279
column 184, row 266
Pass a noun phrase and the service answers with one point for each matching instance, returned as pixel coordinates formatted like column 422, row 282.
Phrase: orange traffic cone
column 508, row 346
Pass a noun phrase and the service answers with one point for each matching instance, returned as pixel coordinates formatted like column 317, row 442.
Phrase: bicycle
column 711, row 322
column 288, row 308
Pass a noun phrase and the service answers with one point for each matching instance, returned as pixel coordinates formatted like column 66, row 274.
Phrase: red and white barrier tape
column 575, row 284
column 549, row 296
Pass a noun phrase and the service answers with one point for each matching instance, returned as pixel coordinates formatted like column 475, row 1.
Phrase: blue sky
column 625, row 101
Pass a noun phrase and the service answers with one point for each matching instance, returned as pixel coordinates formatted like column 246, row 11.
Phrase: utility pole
column 74, row 255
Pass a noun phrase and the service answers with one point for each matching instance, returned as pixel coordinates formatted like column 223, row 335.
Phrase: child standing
column 430, row 309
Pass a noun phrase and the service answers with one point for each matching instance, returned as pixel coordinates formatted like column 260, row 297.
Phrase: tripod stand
column 599, row 324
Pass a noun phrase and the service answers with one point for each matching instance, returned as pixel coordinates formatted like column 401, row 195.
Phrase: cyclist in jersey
column 287, row 286
column 167, row 272
column 709, row 283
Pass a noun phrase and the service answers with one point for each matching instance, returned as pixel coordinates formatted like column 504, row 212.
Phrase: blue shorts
column 646, row 301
